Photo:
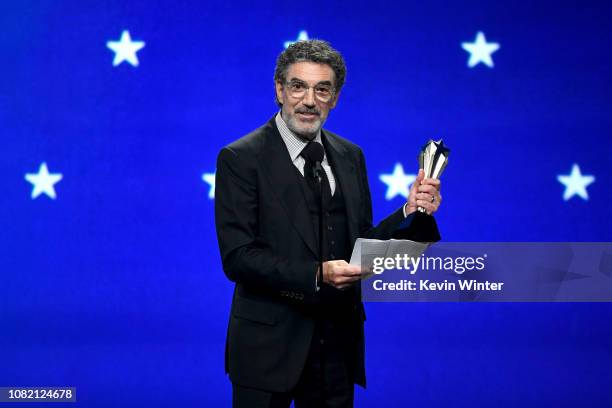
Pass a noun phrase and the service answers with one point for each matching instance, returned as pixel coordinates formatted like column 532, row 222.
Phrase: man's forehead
column 308, row 71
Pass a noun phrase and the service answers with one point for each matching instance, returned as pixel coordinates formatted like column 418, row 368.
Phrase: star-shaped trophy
column 433, row 159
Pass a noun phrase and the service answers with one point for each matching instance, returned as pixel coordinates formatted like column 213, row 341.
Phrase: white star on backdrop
column 302, row 36
column 480, row 51
column 210, row 179
column 125, row 49
column 398, row 182
column 575, row 184
column 43, row 181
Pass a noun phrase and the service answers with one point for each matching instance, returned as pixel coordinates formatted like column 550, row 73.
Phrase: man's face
column 303, row 96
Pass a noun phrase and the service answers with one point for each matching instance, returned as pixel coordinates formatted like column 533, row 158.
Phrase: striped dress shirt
column 295, row 145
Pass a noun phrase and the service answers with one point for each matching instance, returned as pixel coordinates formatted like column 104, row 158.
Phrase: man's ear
column 278, row 86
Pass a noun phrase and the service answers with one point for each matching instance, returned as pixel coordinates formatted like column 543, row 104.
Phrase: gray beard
column 305, row 136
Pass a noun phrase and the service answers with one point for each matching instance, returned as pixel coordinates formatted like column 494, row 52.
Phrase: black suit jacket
column 269, row 249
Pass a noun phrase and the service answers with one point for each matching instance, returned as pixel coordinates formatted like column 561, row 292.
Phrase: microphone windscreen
column 313, row 152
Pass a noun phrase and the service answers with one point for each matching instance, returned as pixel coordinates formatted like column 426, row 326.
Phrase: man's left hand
column 425, row 192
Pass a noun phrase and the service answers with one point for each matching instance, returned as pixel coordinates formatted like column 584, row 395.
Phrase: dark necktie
column 312, row 153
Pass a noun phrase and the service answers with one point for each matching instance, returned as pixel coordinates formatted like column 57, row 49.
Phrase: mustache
column 307, row 110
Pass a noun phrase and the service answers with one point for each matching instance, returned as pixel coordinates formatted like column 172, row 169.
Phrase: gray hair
column 318, row 51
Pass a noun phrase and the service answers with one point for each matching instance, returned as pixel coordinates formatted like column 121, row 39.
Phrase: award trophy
column 433, row 159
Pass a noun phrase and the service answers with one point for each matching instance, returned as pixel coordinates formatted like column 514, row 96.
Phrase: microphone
column 314, row 153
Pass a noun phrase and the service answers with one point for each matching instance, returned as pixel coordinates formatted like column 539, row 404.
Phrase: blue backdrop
column 110, row 273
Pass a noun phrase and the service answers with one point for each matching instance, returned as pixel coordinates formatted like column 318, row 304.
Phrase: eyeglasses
column 298, row 89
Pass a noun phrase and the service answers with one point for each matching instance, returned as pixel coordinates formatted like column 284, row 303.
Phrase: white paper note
column 385, row 248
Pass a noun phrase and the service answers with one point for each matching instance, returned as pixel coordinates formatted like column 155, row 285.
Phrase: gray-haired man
column 290, row 336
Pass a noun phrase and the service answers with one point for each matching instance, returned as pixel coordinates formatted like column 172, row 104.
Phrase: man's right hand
column 340, row 274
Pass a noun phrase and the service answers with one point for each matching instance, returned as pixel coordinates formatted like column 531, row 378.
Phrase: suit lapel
column 344, row 172
column 281, row 173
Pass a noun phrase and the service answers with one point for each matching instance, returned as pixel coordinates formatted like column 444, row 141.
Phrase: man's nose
column 309, row 98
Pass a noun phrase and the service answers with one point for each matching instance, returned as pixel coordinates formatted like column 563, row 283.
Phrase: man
column 291, row 337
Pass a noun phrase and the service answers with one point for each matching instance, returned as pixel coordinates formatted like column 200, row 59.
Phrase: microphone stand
column 318, row 174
